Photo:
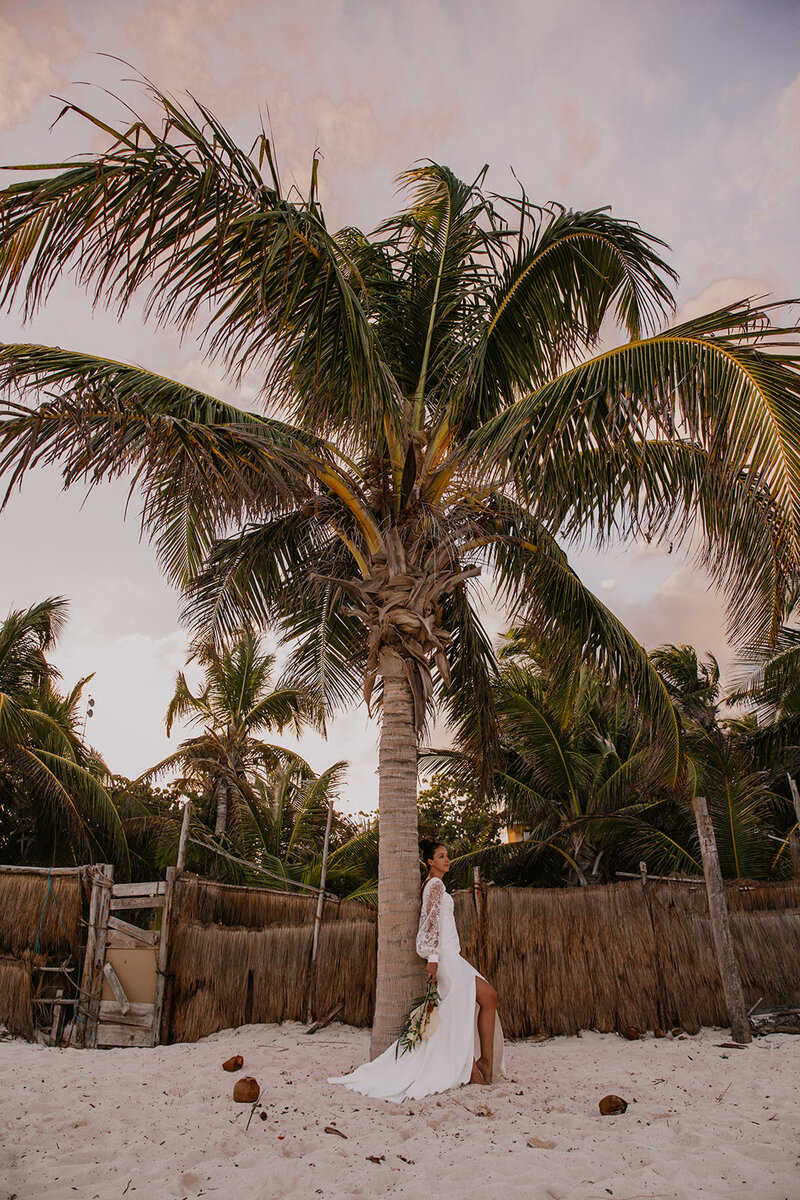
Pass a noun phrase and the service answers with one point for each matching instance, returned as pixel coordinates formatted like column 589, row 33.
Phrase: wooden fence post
column 794, row 850
column 323, row 879
column 94, row 959
column 794, row 838
column 720, row 925
column 481, row 912
column 795, row 797
column 187, row 816
column 163, row 950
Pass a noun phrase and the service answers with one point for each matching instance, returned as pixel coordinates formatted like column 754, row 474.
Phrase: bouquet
column 421, row 1021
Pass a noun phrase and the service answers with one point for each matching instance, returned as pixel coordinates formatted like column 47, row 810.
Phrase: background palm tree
column 578, row 774
column 236, row 702
column 730, row 762
column 54, row 807
column 283, row 823
column 443, row 409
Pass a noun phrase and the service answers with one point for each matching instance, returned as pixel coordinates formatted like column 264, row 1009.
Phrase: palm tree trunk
column 222, row 808
column 399, row 968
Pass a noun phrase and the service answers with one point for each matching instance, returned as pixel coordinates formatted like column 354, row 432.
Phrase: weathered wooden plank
column 6, row 870
column 123, row 1035
column 58, row 1018
column 136, row 902
column 92, row 976
column 187, row 816
column 116, row 987
column 720, row 925
column 110, row 1011
column 172, row 874
column 138, row 1015
column 156, row 887
column 122, row 935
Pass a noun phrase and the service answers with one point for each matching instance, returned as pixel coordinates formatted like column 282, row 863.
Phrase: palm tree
column 442, row 408
column 726, row 763
column 54, row 806
column 236, row 702
column 283, row 823
column 694, row 686
column 578, row 769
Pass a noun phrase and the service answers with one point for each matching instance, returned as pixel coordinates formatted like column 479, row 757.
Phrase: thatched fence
column 608, row 958
column 40, row 929
column 562, row 959
column 240, row 955
column 627, row 955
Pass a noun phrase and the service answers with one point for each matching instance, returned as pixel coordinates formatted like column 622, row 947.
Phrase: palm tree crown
column 235, row 704
column 440, row 406
column 54, row 804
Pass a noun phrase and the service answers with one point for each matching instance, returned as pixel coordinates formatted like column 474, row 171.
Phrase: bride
column 467, row 1045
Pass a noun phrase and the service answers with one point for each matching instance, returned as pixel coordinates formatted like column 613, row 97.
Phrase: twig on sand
column 722, row 1093
column 326, row 1019
column 253, row 1108
column 482, row 1110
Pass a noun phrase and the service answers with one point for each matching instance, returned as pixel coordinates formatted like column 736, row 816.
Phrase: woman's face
column 441, row 859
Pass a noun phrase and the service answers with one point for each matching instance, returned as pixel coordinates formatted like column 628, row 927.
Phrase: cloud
column 354, row 737
column 608, row 585
column 349, row 130
column 781, row 180
column 134, row 678
column 720, row 293
column 685, row 608
column 579, row 141
column 26, row 75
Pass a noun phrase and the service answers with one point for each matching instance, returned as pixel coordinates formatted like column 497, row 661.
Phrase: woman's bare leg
column 486, row 998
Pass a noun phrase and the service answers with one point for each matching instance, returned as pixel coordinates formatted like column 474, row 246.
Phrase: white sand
column 146, row 1124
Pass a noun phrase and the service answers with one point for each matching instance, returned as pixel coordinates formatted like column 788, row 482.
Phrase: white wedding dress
column 445, row 1060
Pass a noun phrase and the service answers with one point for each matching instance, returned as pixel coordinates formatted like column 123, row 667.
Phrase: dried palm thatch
column 222, row 977
column 746, row 894
column 568, row 960
column 37, row 906
column 16, row 1008
column 562, row 959
column 768, row 952
column 229, row 904
column 618, row 956
column 347, row 959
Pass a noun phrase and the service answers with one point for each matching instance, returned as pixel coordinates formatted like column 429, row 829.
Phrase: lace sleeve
column 428, row 935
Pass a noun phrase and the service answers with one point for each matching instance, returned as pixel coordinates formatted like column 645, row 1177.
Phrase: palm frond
column 559, row 612
column 200, row 464
column 566, row 272
column 184, row 704
column 468, row 700
column 724, row 383
column 185, row 215
column 78, row 797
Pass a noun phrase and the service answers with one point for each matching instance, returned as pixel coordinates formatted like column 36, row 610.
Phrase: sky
column 684, row 117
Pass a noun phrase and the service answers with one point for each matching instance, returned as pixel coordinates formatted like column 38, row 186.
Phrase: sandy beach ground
column 702, row 1121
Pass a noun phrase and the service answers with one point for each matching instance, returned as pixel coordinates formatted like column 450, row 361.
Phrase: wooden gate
column 122, row 986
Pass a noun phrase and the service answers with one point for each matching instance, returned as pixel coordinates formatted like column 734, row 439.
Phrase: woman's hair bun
column 428, row 847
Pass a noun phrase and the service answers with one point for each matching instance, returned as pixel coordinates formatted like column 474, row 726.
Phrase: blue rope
column 48, row 893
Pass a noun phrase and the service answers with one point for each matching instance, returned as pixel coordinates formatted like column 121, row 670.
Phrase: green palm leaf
column 190, row 218
column 198, row 462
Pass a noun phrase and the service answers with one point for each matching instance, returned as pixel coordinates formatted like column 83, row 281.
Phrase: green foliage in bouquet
column 421, row 1021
